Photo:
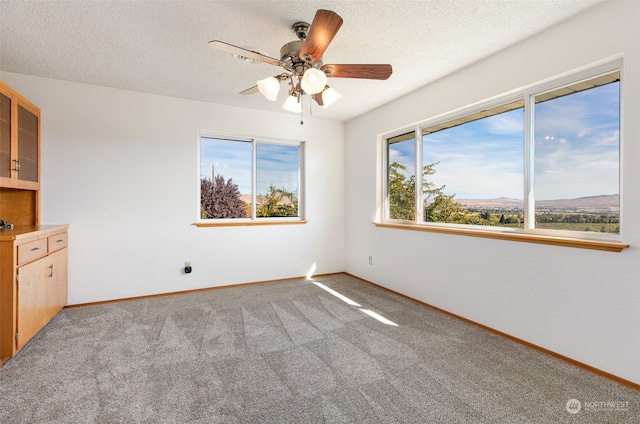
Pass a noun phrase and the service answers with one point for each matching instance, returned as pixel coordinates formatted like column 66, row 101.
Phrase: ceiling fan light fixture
column 292, row 104
column 269, row 87
column 302, row 61
column 313, row 81
column 330, row 96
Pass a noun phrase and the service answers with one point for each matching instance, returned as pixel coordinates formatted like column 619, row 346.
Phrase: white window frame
column 459, row 114
column 529, row 96
column 385, row 182
column 526, row 94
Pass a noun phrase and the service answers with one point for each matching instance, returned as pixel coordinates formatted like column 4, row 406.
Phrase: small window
column 249, row 179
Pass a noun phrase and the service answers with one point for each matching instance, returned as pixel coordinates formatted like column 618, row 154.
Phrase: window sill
column 526, row 238
column 247, row 223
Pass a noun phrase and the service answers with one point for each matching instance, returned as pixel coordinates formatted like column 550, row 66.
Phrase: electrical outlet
column 370, row 260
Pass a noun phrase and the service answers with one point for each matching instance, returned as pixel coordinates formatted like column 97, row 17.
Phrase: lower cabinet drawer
column 57, row 242
column 31, row 251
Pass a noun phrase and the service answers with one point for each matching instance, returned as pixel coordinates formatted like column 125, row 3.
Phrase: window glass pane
column 401, row 177
column 225, row 178
column 577, row 156
column 473, row 168
column 277, row 180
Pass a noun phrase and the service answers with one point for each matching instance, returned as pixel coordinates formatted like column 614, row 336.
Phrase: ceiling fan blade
column 324, row 27
column 380, row 72
column 244, row 53
column 248, row 91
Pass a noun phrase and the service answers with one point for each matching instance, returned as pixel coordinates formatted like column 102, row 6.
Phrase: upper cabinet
column 19, row 141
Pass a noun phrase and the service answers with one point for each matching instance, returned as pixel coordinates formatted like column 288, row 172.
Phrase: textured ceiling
column 161, row 46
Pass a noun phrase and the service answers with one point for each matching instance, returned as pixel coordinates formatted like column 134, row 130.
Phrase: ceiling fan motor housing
column 290, row 54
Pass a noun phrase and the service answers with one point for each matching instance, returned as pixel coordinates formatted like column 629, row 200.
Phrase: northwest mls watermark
column 574, row 406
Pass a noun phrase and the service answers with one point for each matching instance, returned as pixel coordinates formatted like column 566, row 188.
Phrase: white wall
column 121, row 168
column 579, row 303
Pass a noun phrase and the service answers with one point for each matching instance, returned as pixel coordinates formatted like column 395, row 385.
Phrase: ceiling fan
column 302, row 61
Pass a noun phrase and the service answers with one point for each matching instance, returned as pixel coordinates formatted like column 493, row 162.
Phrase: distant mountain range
column 603, row 203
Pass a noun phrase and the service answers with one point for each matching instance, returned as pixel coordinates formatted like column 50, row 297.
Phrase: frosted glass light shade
column 330, row 96
column 313, row 81
column 292, row 105
column 269, row 88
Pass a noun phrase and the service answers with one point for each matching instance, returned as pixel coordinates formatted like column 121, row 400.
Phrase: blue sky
column 577, row 144
column 276, row 164
column 481, row 159
column 576, row 150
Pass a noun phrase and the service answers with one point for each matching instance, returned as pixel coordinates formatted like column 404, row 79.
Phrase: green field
column 576, row 226
column 567, row 221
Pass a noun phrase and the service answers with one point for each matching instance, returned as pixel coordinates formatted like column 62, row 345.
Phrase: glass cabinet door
column 27, row 145
column 5, row 136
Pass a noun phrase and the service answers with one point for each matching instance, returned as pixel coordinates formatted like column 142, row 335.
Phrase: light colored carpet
column 291, row 352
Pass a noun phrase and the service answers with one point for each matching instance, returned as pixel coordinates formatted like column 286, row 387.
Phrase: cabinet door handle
column 16, row 165
column 34, row 249
column 51, row 270
column 59, row 241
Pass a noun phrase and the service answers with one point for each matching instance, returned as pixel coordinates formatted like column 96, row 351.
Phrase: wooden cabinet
column 33, row 282
column 19, row 158
column 42, row 293
column 19, row 141
column 33, row 258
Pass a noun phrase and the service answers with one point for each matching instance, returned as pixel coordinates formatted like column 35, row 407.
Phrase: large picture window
column 249, row 179
column 546, row 161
